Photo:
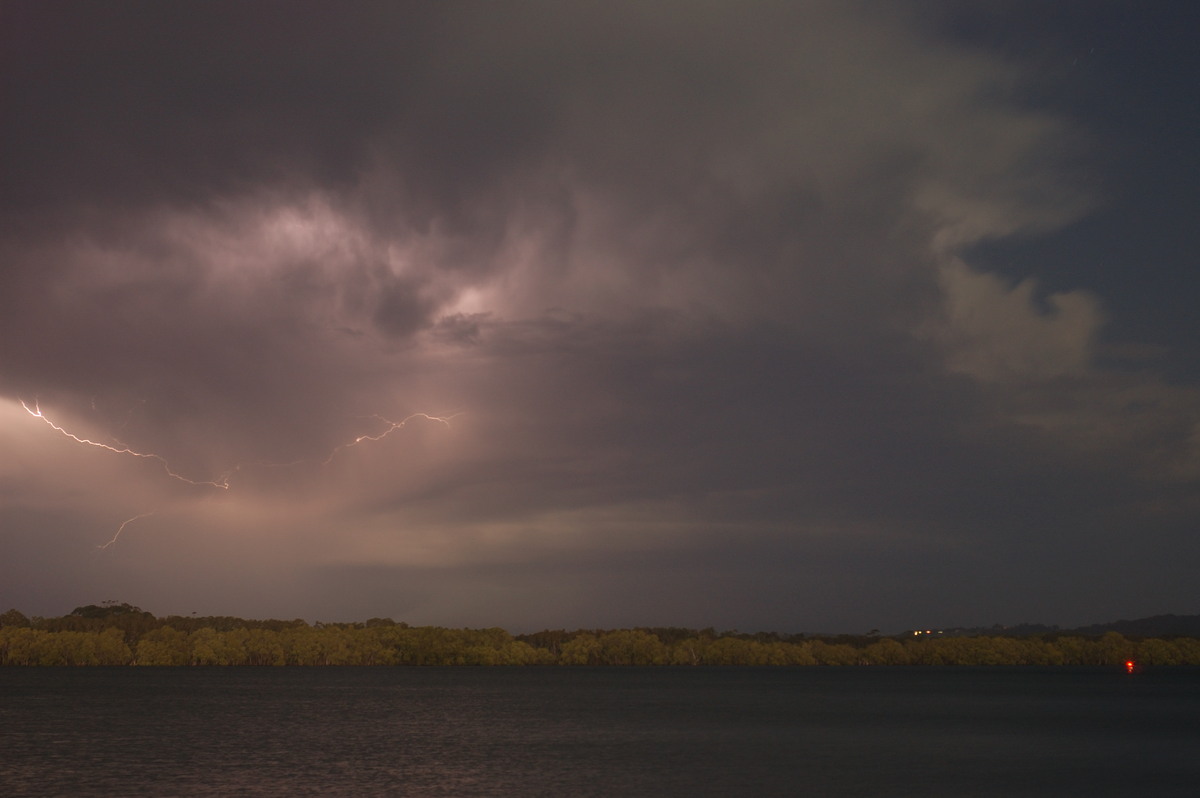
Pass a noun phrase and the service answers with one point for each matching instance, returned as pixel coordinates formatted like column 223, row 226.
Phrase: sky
column 805, row 317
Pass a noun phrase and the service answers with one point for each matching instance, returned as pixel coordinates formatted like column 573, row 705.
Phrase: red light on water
column 1130, row 665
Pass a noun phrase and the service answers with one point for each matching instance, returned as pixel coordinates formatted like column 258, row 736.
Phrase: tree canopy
column 121, row 634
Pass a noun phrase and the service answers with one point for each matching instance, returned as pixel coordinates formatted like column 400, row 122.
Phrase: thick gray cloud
column 689, row 287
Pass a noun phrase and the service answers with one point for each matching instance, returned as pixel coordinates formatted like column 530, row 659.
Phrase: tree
column 583, row 649
column 1159, row 652
column 690, row 651
column 835, row 654
column 631, row 647
column 163, row 646
column 734, row 651
column 107, row 610
column 14, row 618
column 1037, row 651
column 886, row 652
column 1114, row 649
column 262, row 647
column 206, row 647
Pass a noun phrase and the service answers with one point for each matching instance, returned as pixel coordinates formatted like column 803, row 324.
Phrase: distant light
column 1130, row 665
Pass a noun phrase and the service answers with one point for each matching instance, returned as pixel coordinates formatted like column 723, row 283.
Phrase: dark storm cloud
column 142, row 103
column 146, row 132
column 690, row 283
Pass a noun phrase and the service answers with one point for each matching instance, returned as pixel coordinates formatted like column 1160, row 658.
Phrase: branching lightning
column 392, row 426
column 222, row 482
column 36, row 411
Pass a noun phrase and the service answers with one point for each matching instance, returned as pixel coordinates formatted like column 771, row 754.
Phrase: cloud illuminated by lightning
column 223, row 481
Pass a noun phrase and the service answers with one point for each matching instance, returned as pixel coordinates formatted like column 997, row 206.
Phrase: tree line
column 120, row 634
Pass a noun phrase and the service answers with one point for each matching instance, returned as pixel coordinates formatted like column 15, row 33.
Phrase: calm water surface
column 599, row 732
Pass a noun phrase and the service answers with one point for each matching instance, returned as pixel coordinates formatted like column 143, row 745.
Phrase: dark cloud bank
column 694, row 283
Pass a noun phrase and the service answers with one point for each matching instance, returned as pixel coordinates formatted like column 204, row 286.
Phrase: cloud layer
column 688, row 284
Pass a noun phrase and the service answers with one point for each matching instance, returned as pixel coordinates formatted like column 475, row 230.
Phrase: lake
column 562, row 731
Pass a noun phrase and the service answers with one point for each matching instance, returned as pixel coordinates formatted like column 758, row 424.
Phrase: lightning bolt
column 223, row 481
column 392, row 426
column 121, row 528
